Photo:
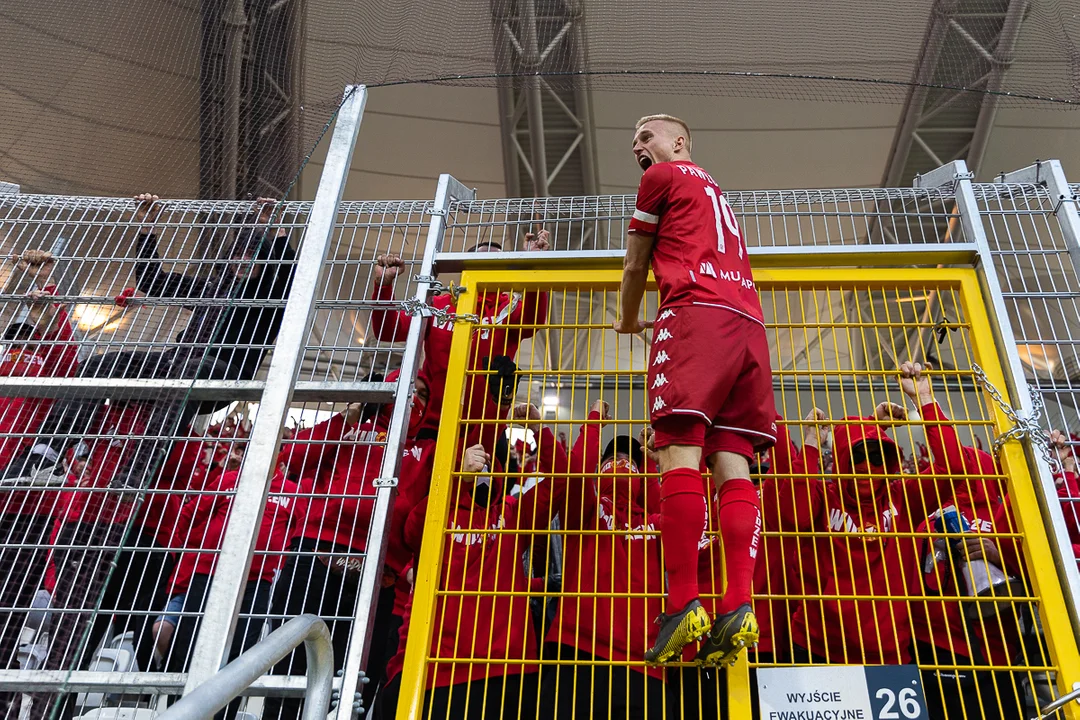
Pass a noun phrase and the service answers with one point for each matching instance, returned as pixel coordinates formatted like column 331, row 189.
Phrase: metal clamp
column 1062, row 200
column 1022, row 427
column 385, row 482
column 437, row 288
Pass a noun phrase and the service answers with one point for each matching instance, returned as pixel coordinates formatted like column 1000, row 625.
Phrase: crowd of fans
column 846, row 572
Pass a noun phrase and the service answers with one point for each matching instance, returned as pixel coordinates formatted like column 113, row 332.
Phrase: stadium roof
column 107, row 100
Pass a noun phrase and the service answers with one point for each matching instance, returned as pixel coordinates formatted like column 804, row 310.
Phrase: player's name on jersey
column 841, row 692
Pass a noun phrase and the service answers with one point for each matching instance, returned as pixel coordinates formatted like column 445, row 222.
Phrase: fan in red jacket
column 43, row 346
column 490, row 636
column 617, row 555
column 201, row 526
column 516, row 315
column 1067, row 481
column 855, row 555
column 967, row 481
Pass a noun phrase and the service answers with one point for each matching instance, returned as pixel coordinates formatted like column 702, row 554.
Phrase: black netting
column 113, row 96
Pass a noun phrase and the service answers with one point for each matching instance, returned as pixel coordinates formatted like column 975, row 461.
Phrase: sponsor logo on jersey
column 707, row 269
column 736, row 277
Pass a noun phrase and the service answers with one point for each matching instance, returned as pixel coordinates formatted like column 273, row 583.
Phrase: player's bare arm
column 635, row 276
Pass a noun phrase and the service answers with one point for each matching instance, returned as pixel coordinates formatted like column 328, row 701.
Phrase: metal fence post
column 238, row 545
column 1016, row 380
column 448, row 190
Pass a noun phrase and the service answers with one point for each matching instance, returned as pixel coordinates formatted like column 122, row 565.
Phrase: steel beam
column 939, row 126
column 535, row 40
column 195, row 390
column 250, row 84
column 238, row 545
column 1002, row 60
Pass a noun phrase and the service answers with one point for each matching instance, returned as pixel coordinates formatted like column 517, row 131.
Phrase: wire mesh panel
column 892, row 535
column 1036, row 265
column 773, row 218
column 137, row 338
column 127, row 325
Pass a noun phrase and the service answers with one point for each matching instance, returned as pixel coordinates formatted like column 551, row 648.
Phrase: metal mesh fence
column 769, row 219
column 567, row 556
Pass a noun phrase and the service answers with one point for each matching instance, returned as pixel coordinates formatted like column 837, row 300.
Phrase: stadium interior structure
column 933, row 248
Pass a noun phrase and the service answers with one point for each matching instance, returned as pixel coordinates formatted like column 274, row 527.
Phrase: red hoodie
column 624, row 559
column 343, row 516
column 186, row 471
column 506, row 309
column 481, row 630
column 313, row 452
column 969, row 480
column 21, row 417
column 202, row 520
column 851, row 629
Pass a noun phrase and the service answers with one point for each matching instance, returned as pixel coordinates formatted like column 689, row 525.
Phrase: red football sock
column 683, row 515
column 740, row 529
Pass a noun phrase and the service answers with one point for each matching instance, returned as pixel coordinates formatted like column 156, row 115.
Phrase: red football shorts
column 710, row 382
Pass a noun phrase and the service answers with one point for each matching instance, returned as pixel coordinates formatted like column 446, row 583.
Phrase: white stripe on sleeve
column 646, row 217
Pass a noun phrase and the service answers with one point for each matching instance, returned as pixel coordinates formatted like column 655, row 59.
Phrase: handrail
column 229, row 682
column 1056, row 705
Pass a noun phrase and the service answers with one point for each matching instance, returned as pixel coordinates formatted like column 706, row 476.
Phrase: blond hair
column 670, row 119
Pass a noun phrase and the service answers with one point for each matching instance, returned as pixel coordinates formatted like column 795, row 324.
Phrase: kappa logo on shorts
column 663, row 335
column 661, row 357
column 660, row 381
column 666, row 314
column 659, row 405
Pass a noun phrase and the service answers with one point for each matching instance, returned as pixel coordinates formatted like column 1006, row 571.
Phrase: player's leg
column 683, row 515
column 735, row 625
column 744, row 424
column 739, row 519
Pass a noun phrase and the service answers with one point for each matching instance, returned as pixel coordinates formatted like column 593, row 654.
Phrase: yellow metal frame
column 1039, row 558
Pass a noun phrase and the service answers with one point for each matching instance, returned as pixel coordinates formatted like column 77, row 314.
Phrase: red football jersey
column 699, row 257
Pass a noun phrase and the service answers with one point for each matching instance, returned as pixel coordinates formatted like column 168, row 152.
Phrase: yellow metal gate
column 838, row 338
